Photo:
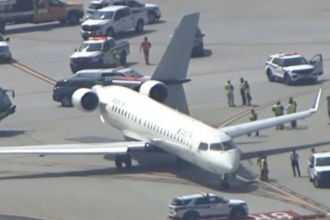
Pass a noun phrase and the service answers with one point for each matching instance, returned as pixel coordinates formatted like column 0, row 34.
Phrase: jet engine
column 85, row 100
column 155, row 90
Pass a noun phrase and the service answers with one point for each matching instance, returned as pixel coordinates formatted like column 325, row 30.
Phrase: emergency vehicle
column 319, row 169
column 39, row 11
column 293, row 67
column 206, row 205
column 97, row 52
column 5, row 54
column 154, row 13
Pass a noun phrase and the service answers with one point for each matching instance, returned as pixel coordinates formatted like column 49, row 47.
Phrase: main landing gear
column 224, row 183
column 123, row 159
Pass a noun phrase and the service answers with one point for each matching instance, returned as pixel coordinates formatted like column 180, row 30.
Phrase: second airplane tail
column 173, row 66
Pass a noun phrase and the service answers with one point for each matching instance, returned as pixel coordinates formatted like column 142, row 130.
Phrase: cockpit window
column 203, row 146
column 224, row 146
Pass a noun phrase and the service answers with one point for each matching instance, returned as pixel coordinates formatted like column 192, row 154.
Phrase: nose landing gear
column 123, row 159
column 224, row 183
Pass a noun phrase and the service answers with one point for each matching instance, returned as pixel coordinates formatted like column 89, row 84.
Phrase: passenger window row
column 154, row 127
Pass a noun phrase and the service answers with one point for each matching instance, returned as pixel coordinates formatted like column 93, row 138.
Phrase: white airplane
column 157, row 117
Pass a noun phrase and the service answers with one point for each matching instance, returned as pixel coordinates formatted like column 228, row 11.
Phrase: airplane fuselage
column 142, row 118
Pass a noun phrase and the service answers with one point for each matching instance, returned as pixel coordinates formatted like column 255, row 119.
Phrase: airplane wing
column 116, row 148
column 249, row 127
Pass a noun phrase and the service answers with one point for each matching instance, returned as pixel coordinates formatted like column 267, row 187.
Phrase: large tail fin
column 173, row 66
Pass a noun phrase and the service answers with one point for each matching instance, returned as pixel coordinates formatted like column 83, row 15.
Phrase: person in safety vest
column 278, row 110
column 116, row 57
column 248, row 93
column 262, row 162
column 229, row 88
column 145, row 46
column 328, row 99
column 254, row 117
column 290, row 109
column 242, row 90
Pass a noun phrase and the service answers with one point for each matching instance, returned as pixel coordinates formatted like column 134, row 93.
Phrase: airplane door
column 317, row 62
column 41, row 11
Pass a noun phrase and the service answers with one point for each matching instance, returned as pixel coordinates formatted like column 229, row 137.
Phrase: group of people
column 244, row 90
column 294, row 158
column 291, row 108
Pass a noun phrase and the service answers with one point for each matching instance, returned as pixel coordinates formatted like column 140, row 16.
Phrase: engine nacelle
column 85, row 100
column 155, row 90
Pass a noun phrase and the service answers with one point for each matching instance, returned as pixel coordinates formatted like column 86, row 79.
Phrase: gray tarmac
column 239, row 37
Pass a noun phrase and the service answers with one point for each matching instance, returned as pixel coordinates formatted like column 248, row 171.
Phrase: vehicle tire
column 123, row 58
column 151, row 18
column 8, row 60
column 110, row 32
column 270, row 75
column 191, row 216
column 314, row 81
column 236, row 213
column 140, row 26
column 73, row 18
column 287, row 79
column 66, row 101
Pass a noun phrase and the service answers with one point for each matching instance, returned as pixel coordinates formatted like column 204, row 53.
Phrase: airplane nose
column 231, row 160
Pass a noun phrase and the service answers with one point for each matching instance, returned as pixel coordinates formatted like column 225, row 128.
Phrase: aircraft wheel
column 127, row 161
column 119, row 162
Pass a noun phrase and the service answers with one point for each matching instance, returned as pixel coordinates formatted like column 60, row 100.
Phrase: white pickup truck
column 111, row 20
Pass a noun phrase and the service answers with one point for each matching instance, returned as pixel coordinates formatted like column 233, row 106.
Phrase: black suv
column 64, row 89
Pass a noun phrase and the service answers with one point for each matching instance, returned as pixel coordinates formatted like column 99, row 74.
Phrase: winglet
column 316, row 103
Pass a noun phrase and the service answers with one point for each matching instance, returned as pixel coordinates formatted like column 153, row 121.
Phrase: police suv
column 292, row 67
column 5, row 53
column 97, row 52
column 206, row 205
column 319, row 169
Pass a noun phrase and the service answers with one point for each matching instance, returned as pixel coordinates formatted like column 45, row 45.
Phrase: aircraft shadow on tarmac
column 163, row 168
column 11, row 133
column 207, row 53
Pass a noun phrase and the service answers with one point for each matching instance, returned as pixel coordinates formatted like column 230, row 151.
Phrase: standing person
column 145, row 46
column 242, row 90
column 229, row 88
column 116, row 58
column 295, row 110
column 254, row 117
column 290, row 109
column 263, row 169
column 248, row 93
column 328, row 99
column 295, row 163
column 278, row 110
column 313, row 151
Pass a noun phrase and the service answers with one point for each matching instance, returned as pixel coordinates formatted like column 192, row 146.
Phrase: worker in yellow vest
column 278, row 110
column 253, row 117
column 263, row 168
column 290, row 109
column 229, row 88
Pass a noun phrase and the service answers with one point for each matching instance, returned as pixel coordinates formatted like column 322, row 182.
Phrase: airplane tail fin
column 173, row 66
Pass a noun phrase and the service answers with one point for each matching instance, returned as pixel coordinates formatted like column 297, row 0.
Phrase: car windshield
column 102, row 15
column 133, row 73
column 293, row 61
column 177, row 202
column 224, row 146
column 95, row 6
column 90, row 47
column 325, row 161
